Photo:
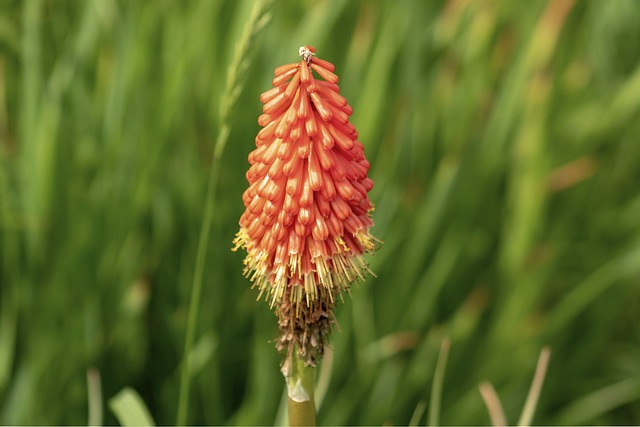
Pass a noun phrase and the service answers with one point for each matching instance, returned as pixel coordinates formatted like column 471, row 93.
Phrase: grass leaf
column 130, row 409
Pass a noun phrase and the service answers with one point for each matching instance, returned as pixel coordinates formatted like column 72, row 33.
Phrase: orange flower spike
column 285, row 68
column 315, row 173
column 290, row 205
column 328, row 191
column 319, row 231
column 342, row 116
column 304, row 146
column 296, row 131
column 326, row 159
column 305, row 73
column 330, row 86
column 310, row 125
column 268, row 95
column 306, row 197
column 293, row 86
column 332, row 96
column 325, row 74
column 306, row 224
column 275, row 102
column 294, row 183
column 343, row 141
column 321, row 107
column 303, row 108
column 325, row 135
column 282, row 78
column 267, row 130
column 305, row 216
column 323, row 206
column 291, row 165
column 322, row 63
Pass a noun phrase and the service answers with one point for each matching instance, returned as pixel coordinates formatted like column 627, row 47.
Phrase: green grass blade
column 600, row 402
column 130, row 409
column 536, row 388
column 237, row 74
column 438, row 380
column 493, row 404
column 417, row 413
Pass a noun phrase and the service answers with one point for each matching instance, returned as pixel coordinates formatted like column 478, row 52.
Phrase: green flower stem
column 300, row 384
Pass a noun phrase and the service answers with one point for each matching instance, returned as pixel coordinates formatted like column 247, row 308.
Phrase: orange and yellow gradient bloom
column 307, row 218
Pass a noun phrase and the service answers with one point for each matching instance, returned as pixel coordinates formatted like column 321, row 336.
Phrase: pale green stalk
column 300, row 384
column 94, row 395
column 493, row 404
column 417, row 413
column 438, row 380
column 536, row 387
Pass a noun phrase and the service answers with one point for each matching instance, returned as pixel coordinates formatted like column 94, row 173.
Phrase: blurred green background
column 504, row 140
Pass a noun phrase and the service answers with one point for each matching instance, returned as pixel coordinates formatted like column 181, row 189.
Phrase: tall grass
column 236, row 75
column 503, row 139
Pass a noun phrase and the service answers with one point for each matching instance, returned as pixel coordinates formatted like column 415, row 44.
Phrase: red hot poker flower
column 305, row 228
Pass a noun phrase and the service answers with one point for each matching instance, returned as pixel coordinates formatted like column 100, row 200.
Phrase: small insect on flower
column 306, row 224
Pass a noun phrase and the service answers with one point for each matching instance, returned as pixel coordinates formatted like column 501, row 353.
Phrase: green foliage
column 130, row 410
column 503, row 140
